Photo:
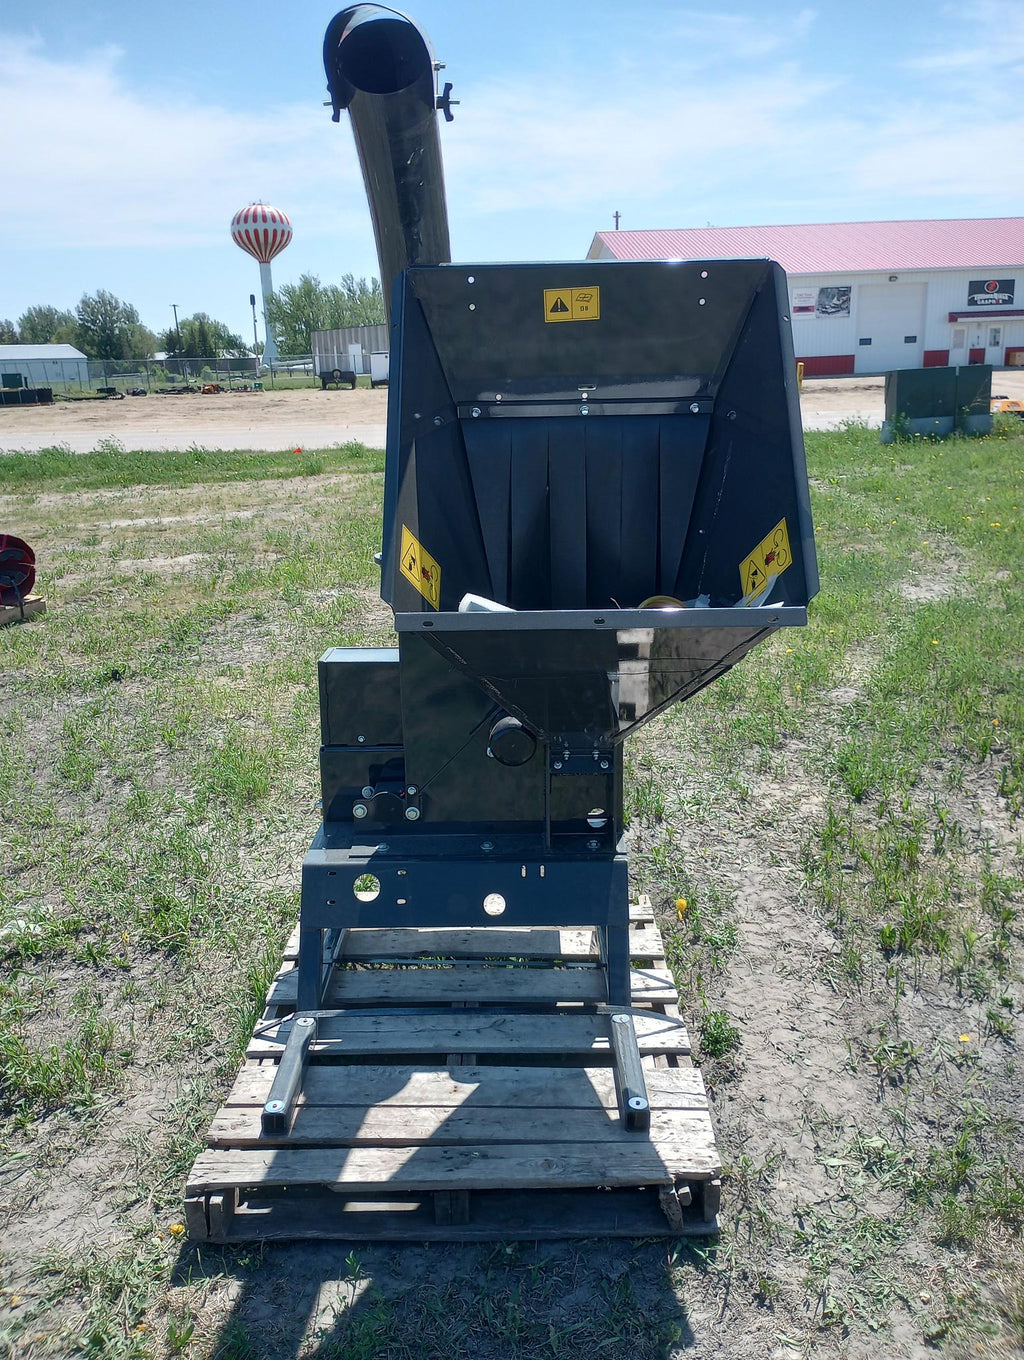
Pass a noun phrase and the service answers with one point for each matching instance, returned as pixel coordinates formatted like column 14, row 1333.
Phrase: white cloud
column 97, row 166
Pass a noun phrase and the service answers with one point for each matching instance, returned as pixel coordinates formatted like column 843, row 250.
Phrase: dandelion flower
column 965, row 1038
column 176, row 1229
column 681, row 905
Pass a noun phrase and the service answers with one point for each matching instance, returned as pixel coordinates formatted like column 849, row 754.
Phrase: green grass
column 58, row 469
column 832, row 833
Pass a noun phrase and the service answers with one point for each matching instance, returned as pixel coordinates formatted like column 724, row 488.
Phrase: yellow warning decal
column 420, row 568
column 572, row 304
column 771, row 556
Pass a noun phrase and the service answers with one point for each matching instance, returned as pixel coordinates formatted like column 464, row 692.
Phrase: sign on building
column 990, row 292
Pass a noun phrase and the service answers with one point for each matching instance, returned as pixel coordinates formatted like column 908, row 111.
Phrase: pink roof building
column 867, row 297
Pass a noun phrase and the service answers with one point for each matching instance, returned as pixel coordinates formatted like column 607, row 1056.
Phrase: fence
column 81, row 377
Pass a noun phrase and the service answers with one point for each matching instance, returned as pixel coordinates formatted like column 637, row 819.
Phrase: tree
column 108, row 328
column 202, row 338
column 296, row 310
column 41, row 325
column 357, row 302
column 8, row 332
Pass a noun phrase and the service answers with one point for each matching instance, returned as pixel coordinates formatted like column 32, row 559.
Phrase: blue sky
column 133, row 131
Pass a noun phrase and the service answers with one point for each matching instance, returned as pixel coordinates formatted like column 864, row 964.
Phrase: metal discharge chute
column 380, row 69
column 596, row 503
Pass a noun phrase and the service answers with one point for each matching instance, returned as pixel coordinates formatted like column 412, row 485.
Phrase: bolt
column 637, row 1103
column 472, row 306
column 383, row 847
column 412, row 814
column 584, row 410
column 274, row 1106
column 695, row 408
column 438, row 420
column 359, row 811
column 475, row 412
column 557, row 765
column 593, row 845
column 360, row 738
column 368, row 791
column 304, row 1020
column 486, row 845
column 412, row 789
column 596, row 755
column 621, row 1019
column 604, row 764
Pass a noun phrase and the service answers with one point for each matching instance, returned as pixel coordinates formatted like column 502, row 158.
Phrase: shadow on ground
column 495, row 1301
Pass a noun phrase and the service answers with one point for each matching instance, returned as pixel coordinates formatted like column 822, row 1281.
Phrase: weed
column 718, row 1035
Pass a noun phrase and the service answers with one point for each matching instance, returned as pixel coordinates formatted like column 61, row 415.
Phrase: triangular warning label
column 559, row 306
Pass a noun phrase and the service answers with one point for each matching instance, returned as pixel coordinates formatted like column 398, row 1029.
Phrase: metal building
column 867, row 297
column 42, row 365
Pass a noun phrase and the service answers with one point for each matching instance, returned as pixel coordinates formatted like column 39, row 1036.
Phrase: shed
column 42, row 366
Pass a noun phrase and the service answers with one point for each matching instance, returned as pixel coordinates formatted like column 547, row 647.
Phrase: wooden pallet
column 468, row 1124
column 10, row 613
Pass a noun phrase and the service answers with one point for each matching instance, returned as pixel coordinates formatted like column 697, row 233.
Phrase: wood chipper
column 595, row 504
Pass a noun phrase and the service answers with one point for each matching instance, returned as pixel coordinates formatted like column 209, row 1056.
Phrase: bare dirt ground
column 308, row 418
column 293, row 417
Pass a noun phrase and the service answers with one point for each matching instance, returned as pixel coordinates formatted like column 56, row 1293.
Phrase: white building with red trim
column 867, row 297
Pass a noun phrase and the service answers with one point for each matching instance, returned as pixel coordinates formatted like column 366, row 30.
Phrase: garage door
column 890, row 326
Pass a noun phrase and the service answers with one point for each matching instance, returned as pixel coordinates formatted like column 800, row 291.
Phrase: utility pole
column 616, row 215
column 177, row 331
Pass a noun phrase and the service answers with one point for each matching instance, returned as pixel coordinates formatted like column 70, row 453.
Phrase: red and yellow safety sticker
column 771, row 556
column 419, row 568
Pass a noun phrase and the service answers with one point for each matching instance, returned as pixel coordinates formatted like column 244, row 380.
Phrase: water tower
column 262, row 232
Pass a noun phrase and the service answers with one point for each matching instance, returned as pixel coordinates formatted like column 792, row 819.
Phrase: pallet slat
column 520, row 1166
column 498, row 986
column 542, row 1088
column 473, row 1032
column 440, row 1126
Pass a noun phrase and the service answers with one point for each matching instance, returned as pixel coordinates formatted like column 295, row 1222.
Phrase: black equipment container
column 937, row 401
column 596, row 503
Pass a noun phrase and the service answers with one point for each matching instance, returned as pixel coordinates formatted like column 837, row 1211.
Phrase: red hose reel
column 17, row 569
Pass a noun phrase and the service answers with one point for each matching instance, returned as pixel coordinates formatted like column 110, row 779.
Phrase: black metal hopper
column 570, row 469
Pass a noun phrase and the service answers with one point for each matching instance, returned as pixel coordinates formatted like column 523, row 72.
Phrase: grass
column 833, row 832
column 59, row 469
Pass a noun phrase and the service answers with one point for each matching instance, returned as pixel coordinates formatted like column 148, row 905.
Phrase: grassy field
column 839, row 821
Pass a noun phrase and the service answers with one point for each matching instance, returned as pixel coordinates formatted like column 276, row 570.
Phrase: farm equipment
column 595, row 504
